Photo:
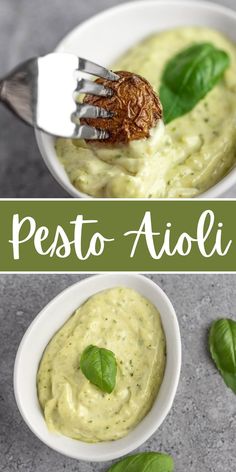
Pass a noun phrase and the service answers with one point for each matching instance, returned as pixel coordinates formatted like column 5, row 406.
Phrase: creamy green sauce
column 192, row 154
column 119, row 319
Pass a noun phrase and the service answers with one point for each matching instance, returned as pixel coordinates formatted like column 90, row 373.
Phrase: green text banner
column 121, row 235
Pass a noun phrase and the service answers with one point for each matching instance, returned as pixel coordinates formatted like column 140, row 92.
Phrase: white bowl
column 110, row 33
column 41, row 330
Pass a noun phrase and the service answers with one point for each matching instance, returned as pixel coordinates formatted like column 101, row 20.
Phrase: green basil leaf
column 222, row 342
column 144, row 462
column 189, row 76
column 99, row 366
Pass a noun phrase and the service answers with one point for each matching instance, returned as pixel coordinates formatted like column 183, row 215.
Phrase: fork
column 44, row 92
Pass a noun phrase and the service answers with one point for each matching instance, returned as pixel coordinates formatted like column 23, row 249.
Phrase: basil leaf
column 146, row 461
column 222, row 342
column 189, row 76
column 99, row 366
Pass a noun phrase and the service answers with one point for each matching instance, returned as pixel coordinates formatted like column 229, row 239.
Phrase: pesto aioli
column 193, row 153
column 121, row 320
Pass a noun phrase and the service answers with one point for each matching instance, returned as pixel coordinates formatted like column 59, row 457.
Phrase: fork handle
column 2, row 94
column 1, row 88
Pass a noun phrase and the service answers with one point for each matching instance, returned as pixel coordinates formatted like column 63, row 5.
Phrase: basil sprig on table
column 189, row 76
column 222, row 341
column 144, row 462
column 99, row 366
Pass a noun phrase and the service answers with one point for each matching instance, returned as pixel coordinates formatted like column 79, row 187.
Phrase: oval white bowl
column 44, row 326
column 102, row 40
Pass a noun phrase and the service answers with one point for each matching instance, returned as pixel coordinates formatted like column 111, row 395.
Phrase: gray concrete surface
column 28, row 28
column 200, row 429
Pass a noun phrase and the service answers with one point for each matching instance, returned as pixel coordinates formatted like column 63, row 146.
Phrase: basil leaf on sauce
column 222, row 342
column 189, row 76
column 99, row 366
column 145, row 461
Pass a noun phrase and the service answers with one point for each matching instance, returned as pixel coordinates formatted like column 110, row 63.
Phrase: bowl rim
column 217, row 190
column 150, row 429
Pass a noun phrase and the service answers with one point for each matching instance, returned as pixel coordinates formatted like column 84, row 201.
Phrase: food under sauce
column 193, row 152
column 119, row 319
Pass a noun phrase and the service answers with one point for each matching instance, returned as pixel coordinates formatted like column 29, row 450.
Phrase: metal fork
column 44, row 92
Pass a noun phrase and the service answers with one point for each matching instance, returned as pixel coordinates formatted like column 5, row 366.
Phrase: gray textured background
column 28, row 28
column 200, row 429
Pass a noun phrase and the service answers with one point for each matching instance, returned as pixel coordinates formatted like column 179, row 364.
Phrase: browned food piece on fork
column 135, row 105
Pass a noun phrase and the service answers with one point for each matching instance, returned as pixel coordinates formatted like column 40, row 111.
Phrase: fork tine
column 85, row 110
column 89, row 132
column 95, row 69
column 93, row 88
